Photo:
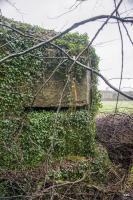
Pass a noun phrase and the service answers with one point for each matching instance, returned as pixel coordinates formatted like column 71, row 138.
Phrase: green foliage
column 95, row 168
column 95, row 93
column 19, row 75
column 63, row 170
column 29, row 140
column 73, row 42
column 26, row 139
column 71, row 134
column 70, row 168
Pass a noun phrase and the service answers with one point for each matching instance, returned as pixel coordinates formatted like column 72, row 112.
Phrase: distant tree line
column 112, row 95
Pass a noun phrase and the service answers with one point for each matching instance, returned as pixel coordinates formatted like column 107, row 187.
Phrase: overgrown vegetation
column 70, row 134
column 18, row 76
column 29, row 140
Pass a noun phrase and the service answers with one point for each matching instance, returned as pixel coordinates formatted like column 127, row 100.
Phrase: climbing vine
column 24, row 135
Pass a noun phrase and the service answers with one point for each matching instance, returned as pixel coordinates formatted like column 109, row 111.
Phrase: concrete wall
column 76, row 93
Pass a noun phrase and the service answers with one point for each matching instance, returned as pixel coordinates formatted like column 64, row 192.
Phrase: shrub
column 73, row 133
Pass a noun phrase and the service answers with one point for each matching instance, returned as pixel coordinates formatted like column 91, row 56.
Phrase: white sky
column 44, row 13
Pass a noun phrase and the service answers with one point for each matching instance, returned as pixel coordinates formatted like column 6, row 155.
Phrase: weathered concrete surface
column 75, row 94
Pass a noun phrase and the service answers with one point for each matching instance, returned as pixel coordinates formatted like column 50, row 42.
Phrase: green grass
column 123, row 106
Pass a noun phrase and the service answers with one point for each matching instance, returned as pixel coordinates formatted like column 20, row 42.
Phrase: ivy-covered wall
column 25, row 139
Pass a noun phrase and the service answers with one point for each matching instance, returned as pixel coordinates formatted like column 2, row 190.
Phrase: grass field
column 123, row 106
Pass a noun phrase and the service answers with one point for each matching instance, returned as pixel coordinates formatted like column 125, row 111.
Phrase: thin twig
column 77, row 62
column 122, row 58
column 74, row 26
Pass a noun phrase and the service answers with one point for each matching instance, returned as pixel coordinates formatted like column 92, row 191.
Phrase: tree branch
column 70, row 58
column 95, row 72
column 74, row 26
column 122, row 58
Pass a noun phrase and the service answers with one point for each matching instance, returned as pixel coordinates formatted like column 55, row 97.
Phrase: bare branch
column 74, row 26
column 77, row 62
column 99, row 30
column 71, row 9
column 122, row 57
column 46, row 81
column 95, row 72
column 128, row 34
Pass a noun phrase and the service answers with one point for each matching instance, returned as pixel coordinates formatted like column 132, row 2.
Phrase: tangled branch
column 74, row 26
column 64, row 52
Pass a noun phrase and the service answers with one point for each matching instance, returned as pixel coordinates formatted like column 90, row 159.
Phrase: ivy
column 26, row 140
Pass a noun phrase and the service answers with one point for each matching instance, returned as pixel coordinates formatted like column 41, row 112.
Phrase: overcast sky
column 45, row 13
